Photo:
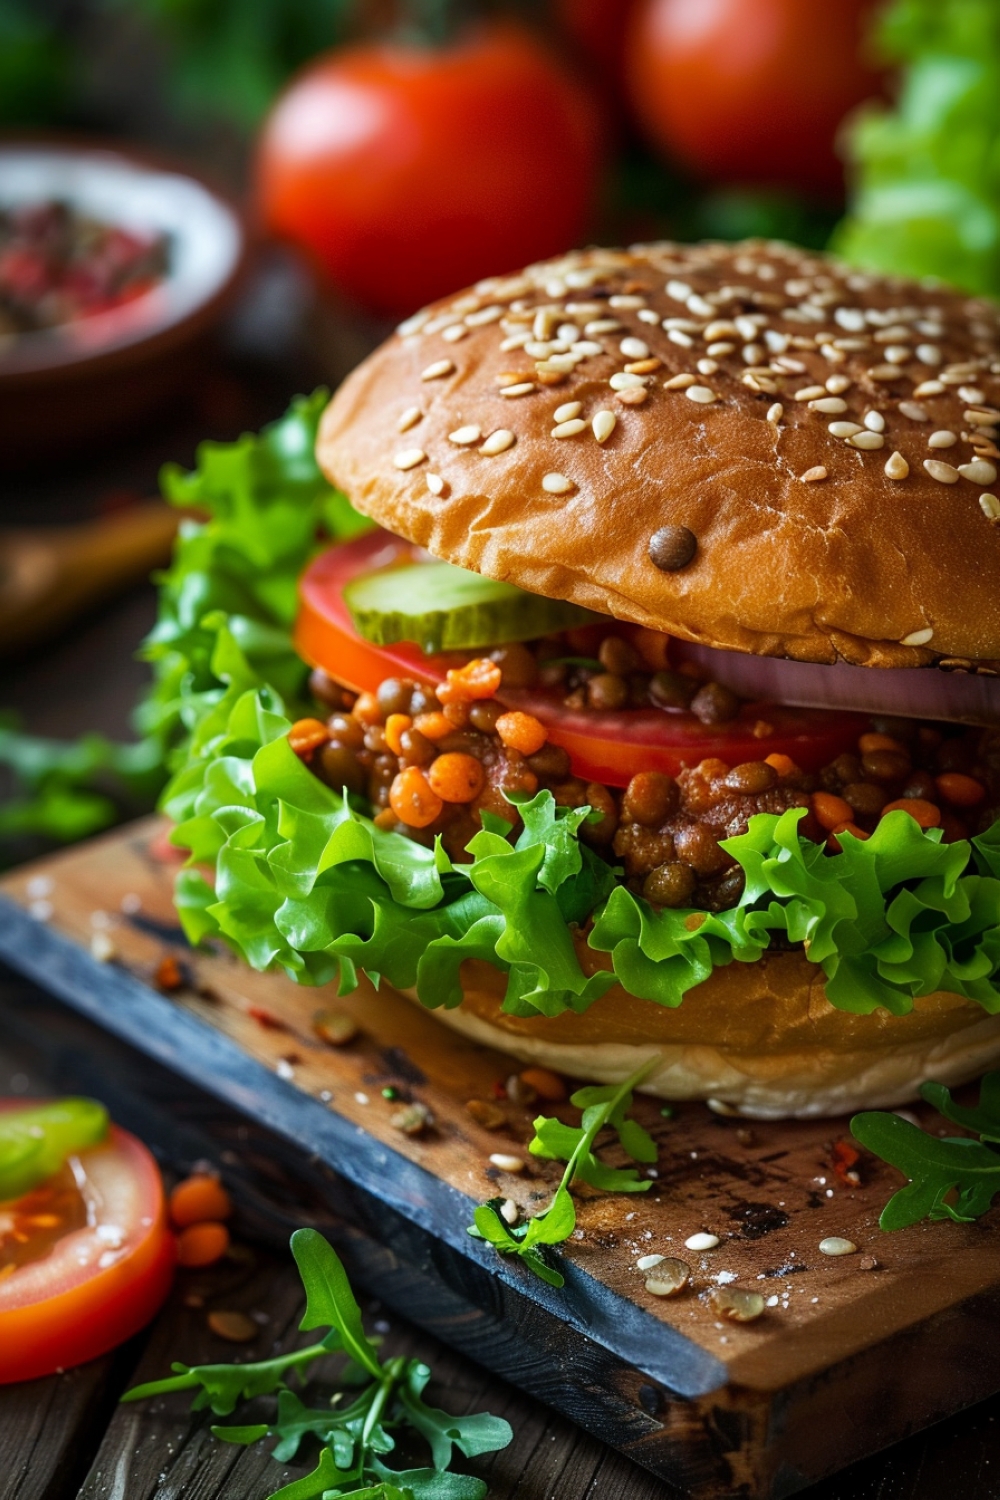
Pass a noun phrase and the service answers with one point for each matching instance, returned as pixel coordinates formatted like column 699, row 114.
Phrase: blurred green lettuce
column 926, row 174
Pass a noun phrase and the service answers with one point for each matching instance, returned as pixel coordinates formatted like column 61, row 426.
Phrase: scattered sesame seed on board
column 813, row 475
column 896, row 466
column 507, row 1163
column 498, row 442
column 409, row 458
column 557, row 484
column 835, row 1244
column 701, row 1241
column 942, row 472
column 437, row 370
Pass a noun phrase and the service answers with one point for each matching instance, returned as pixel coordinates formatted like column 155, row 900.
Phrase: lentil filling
column 429, row 762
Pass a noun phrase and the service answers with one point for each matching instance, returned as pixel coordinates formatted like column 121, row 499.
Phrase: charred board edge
column 122, row 1004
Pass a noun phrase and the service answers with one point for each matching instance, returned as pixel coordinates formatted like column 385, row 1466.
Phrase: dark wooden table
column 65, row 1436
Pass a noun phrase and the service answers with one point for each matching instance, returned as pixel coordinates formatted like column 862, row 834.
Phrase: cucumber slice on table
column 444, row 608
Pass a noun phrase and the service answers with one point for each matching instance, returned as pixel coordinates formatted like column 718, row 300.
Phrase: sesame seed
column 897, row 354
column 985, row 417
column 753, row 354
column 979, row 471
column 701, row 1241
column 883, row 372
column 414, row 324
column 558, row 364
column 703, row 394
column 990, row 507
column 462, row 437
column 626, row 301
column 623, row 381
column 812, row 476
column 567, row 411
column 454, row 332
column 679, row 382
column 720, row 329
column 647, row 1262
column 539, row 350
column 868, row 442
column 647, row 315
column 634, row 348
column 928, row 388
column 972, row 394
column 491, row 314
column 516, row 341
column 408, row 458
column 568, row 333
column 721, row 349
column 699, row 306
column 507, row 1163
column 498, row 442
column 634, row 397
column 942, row 472
column 874, row 421
column 679, row 290
column 943, row 438
column 747, row 328
column 684, row 340
column 810, row 393
column 522, row 388
column 557, row 484
column 896, row 466
column 409, row 418
column 844, row 429
column 928, row 354
column 835, row 1244
column 837, row 384
column 912, row 410
column 829, row 405
column 604, row 424
column 584, row 348
column 437, row 370
column 509, row 1211
column 601, row 325
column 542, row 325
column 851, row 319
column 790, row 365
column 568, row 429
column 707, row 366
column 436, row 484
column 775, row 413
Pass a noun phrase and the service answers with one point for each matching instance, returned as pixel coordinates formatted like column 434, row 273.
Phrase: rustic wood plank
column 845, row 1360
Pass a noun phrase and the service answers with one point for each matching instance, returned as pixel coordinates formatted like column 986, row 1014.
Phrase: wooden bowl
column 67, row 387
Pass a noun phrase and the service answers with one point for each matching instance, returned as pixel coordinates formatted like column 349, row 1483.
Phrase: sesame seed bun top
column 750, row 446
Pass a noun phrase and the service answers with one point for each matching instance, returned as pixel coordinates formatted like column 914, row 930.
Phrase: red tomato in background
column 598, row 28
column 751, row 91
column 408, row 172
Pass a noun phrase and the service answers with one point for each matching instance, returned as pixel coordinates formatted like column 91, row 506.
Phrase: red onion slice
column 908, row 692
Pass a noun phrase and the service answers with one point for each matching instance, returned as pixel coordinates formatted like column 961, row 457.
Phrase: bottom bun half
column 761, row 1037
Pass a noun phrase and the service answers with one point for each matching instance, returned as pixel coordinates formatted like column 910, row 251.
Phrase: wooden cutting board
column 851, row 1354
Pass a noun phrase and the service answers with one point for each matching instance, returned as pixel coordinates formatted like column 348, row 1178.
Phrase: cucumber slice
column 444, row 608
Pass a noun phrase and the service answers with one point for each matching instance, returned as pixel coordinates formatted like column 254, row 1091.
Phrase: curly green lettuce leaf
column 304, row 881
column 926, row 199
column 266, row 510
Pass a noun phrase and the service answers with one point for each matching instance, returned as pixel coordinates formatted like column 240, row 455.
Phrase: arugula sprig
column 603, row 1106
column 354, row 1438
column 953, row 1177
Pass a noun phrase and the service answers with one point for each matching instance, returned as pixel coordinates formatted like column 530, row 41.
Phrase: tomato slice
column 603, row 745
column 96, row 1265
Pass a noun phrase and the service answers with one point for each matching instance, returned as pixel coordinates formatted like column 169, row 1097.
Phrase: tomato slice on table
column 86, row 1258
column 603, row 745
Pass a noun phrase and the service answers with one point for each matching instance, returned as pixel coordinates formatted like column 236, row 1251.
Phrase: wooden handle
column 49, row 575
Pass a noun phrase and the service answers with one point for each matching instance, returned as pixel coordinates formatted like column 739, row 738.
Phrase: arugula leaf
column 950, row 1178
column 329, row 1300
column 602, row 1105
column 352, row 1438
